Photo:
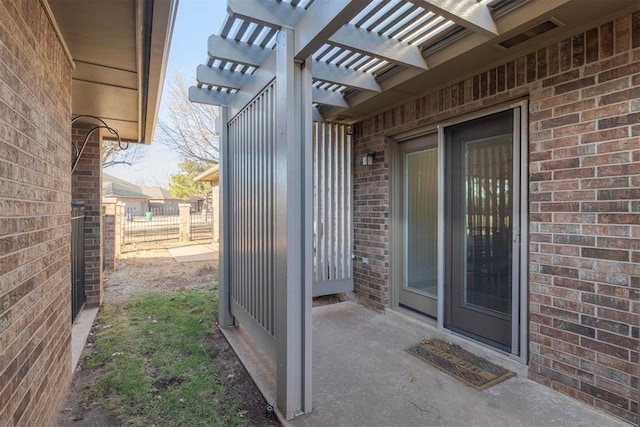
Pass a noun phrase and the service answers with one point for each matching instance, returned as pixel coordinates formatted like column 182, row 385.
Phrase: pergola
column 285, row 73
column 356, row 49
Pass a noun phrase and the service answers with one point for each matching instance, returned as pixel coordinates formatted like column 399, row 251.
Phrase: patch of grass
column 156, row 364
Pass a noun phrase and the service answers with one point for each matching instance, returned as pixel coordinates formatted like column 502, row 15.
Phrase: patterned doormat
column 472, row 370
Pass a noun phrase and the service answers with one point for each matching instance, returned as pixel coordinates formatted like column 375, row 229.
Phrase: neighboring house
column 212, row 175
column 200, row 203
column 97, row 64
column 161, row 199
column 476, row 162
column 138, row 199
column 118, row 190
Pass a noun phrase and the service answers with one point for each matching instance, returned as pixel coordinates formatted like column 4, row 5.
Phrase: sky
column 196, row 20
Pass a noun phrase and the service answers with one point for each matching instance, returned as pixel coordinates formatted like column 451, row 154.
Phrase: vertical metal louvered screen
column 251, row 191
column 332, row 209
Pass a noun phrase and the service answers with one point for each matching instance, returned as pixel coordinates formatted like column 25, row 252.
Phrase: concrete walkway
column 80, row 333
column 363, row 377
column 191, row 253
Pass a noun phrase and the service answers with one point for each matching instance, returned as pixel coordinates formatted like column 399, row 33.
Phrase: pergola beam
column 370, row 43
column 344, row 76
column 222, row 78
column 320, row 22
column 210, row 97
column 328, row 97
column 470, row 14
column 271, row 14
column 316, row 115
column 361, row 97
column 236, row 51
column 248, row 86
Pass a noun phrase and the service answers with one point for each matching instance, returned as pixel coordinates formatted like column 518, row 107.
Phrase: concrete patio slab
column 362, row 376
column 191, row 253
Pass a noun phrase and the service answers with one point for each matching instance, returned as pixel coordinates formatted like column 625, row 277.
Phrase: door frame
column 396, row 226
column 520, row 300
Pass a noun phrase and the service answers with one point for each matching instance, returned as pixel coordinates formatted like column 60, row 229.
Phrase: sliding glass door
column 456, row 228
column 480, row 234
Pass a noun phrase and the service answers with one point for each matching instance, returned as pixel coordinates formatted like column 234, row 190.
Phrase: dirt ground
column 148, row 267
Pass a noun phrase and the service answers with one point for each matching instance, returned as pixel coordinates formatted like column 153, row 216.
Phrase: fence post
column 185, row 222
column 215, row 214
column 119, row 230
column 109, row 224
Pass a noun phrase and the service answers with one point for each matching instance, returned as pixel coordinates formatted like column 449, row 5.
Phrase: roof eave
column 163, row 19
column 210, row 175
column 119, row 51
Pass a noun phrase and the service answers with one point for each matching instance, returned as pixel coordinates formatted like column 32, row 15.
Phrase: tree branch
column 112, row 155
column 190, row 129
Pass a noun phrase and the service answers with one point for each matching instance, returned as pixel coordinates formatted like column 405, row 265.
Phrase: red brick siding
column 371, row 223
column 87, row 187
column 35, row 197
column 584, row 173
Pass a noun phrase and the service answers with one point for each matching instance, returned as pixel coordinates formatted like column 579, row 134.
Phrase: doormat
column 472, row 370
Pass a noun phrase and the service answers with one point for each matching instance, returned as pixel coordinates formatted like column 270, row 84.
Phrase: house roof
column 114, row 187
column 367, row 56
column 211, row 175
column 119, row 49
column 158, row 193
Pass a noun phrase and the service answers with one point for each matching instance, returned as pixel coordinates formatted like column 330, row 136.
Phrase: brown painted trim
column 52, row 19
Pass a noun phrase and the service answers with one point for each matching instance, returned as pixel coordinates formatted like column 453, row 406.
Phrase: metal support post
column 306, row 121
column 288, row 247
column 225, row 318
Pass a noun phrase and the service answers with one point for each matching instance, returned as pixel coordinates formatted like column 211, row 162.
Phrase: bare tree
column 190, row 128
column 112, row 154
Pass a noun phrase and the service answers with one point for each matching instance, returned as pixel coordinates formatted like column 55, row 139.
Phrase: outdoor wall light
column 367, row 159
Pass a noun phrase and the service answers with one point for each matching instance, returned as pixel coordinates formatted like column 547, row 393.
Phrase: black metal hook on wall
column 77, row 150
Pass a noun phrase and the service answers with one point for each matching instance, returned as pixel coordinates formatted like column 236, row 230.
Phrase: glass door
column 419, row 220
column 480, row 190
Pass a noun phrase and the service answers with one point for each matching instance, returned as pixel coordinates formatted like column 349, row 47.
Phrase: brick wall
column 584, row 165
column 371, row 217
column 113, row 222
column 35, row 197
column 87, row 187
